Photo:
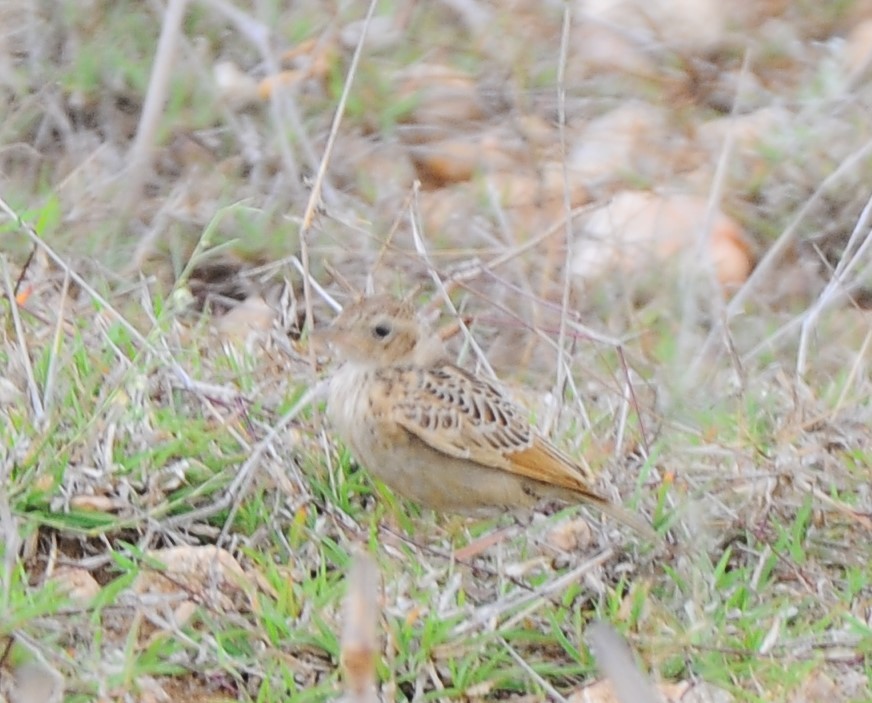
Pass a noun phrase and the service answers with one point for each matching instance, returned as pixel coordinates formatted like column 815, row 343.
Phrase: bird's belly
column 448, row 484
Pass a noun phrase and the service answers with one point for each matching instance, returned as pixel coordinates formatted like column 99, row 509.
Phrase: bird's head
column 382, row 331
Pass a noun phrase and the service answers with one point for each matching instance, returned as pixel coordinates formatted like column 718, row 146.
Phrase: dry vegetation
column 177, row 522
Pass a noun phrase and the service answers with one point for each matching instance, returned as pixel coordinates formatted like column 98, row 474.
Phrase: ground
column 187, row 201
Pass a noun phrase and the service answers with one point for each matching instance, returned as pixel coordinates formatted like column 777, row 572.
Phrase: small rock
column 77, row 584
column 235, row 86
column 857, row 52
column 698, row 26
column 637, row 232
column 37, row 682
column 252, row 317
column 634, row 138
column 443, row 96
column 570, row 536
column 382, row 33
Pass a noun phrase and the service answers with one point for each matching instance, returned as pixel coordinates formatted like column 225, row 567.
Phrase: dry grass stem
column 140, row 157
column 615, row 660
column 23, row 352
column 315, row 194
column 360, row 646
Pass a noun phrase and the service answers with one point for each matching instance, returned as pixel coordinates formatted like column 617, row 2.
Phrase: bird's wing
column 469, row 418
column 466, row 417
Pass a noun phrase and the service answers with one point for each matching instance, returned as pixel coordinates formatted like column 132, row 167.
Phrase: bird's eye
column 381, row 330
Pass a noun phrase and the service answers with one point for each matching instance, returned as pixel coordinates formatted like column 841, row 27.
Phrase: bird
column 435, row 433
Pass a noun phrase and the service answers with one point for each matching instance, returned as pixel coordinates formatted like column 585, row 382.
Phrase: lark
column 435, row 433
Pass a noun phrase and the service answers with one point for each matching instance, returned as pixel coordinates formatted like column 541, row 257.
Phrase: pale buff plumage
column 435, row 433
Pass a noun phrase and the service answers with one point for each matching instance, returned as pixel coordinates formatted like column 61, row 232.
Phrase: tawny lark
column 435, row 433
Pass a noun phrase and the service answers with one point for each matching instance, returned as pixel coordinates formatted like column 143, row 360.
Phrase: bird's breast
column 348, row 398
column 356, row 407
